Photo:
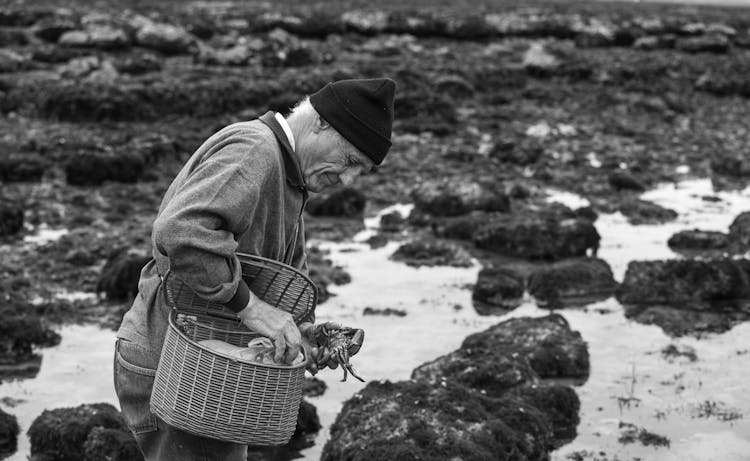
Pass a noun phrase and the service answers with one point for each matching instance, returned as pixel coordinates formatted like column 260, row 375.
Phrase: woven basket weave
column 210, row 394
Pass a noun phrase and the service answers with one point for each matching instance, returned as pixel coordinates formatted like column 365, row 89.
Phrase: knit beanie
column 361, row 111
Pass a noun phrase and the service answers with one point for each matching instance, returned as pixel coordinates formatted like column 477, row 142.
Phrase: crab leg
column 351, row 370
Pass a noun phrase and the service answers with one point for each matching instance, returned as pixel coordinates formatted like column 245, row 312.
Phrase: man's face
column 332, row 161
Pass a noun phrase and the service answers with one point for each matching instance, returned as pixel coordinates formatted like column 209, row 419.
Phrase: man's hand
column 275, row 324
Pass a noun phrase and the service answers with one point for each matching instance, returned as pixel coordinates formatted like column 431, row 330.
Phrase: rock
column 455, row 86
column 20, row 335
column 238, row 55
column 623, row 180
column 386, row 312
column 690, row 283
column 432, row 253
column 654, row 42
column 91, row 168
column 314, row 387
column 446, row 198
column 560, row 405
column 697, row 239
column 11, row 217
column 586, row 212
column 711, row 43
column 526, row 152
column 538, row 61
column 365, row 22
column 10, row 61
column 53, row 54
column 138, row 64
column 165, row 38
column 345, row 202
column 673, row 351
column 643, row 212
column 52, row 28
column 732, row 165
column 739, row 232
column 8, row 434
column 111, row 444
column 500, row 287
column 98, row 36
column 308, row 424
column 538, row 235
column 630, row 433
column 572, row 281
column 80, row 67
column 22, row 167
column 13, row 37
column 414, row 420
column 120, row 274
column 553, row 350
column 61, row 434
column 392, row 222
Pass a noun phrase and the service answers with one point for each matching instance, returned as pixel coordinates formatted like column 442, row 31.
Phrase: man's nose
column 348, row 176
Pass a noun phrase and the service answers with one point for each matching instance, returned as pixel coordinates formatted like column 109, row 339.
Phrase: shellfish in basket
column 338, row 343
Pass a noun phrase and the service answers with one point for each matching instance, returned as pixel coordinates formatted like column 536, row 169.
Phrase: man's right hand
column 275, row 324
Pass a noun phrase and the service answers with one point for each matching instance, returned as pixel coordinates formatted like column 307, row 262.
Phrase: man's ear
column 321, row 124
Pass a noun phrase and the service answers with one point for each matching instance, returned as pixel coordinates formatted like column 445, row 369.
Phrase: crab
column 338, row 343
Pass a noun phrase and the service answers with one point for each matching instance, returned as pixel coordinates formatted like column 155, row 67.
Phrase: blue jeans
column 135, row 368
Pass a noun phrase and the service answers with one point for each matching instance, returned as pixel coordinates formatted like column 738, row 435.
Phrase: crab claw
column 358, row 337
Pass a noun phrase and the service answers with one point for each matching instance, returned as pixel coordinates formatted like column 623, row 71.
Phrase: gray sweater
column 231, row 196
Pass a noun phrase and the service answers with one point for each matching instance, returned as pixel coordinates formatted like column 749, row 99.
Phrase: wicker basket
column 213, row 395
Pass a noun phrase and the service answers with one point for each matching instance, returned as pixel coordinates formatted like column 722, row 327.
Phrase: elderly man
column 244, row 191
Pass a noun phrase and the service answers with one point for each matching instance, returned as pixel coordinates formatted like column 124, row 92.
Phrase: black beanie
column 361, row 111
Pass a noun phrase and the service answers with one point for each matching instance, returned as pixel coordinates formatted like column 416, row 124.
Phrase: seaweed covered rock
column 739, row 232
column 687, row 296
column 443, row 198
column 432, row 253
column 538, row 236
column 8, row 434
column 346, row 202
column 91, row 168
column 308, row 425
column 685, row 281
column 552, row 349
column 579, row 280
column 96, row 36
column 22, row 167
column 62, row 434
column 498, row 287
column 622, row 180
column 111, row 444
column 120, row 275
column 20, row 333
column 644, row 212
column 559, row 403
column 414, row 420
column 167, row 38
column 11, row 217
column 698, row 240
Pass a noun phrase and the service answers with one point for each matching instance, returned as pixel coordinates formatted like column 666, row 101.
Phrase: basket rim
column 173, row 315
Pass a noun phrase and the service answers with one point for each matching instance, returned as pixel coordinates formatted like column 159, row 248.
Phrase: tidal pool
column 699, row 406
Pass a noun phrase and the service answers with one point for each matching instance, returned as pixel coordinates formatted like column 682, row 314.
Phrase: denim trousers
column 134, row 372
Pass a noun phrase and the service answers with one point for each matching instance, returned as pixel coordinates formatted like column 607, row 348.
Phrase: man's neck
column 287, row 130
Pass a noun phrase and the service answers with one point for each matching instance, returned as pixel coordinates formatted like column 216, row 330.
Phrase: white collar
column 287, row 131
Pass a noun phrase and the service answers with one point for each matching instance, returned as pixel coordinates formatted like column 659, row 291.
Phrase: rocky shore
column 496, row 107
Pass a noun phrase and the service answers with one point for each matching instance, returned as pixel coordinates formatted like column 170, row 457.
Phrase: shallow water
column 626, row 364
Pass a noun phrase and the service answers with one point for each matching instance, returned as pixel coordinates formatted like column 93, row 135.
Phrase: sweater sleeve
column 196, row 230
